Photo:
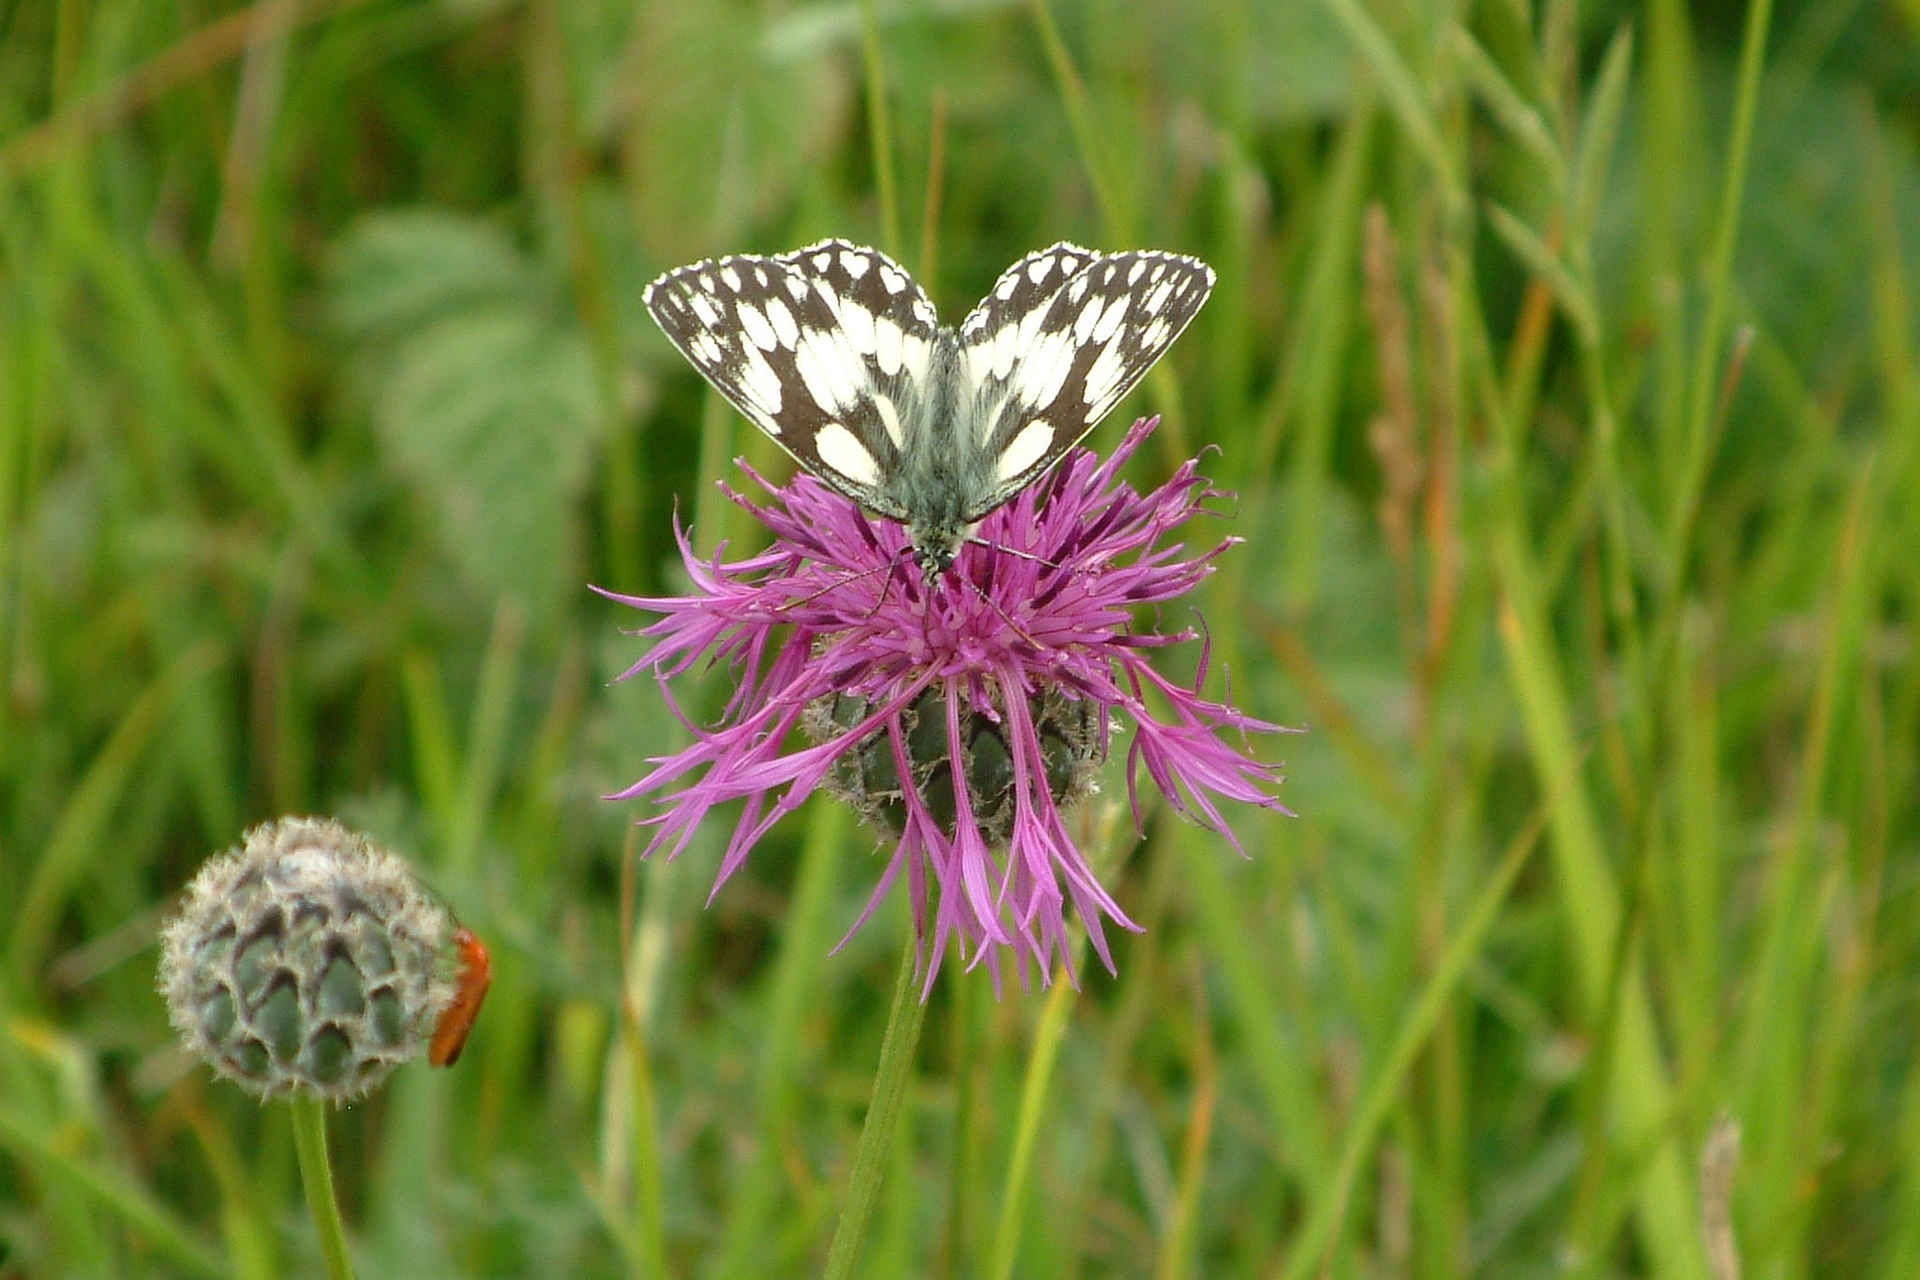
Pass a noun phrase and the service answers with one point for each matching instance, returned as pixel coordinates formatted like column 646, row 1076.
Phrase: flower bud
column 310, row 959
column 868, row 779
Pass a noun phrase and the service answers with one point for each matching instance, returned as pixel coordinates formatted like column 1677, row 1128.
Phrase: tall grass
column 1563, row 362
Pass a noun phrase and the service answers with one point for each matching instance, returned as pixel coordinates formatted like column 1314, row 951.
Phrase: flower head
column 309, row 960
column 959, row 715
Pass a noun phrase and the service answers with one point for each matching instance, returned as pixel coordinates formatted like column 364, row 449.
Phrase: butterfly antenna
column 838, row 583
column 1006, row 550
column 1005, row 617
column 888, row 568
column 881, row 598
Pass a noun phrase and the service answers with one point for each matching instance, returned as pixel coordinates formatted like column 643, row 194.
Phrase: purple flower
column 834, row 632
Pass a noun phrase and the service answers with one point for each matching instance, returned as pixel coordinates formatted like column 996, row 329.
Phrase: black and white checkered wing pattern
column 1061, row 339
column 825, row 349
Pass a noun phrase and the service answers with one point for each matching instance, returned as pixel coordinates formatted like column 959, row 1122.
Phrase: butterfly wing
column 825, row 349
column 1059, row 341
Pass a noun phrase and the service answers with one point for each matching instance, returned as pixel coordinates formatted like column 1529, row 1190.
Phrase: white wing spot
column 1023, row 450
column 704, row 348
column 1116, row 312
column 894, row 281
column 854, row 264
column 1004, row 349
column 758, row 380
column 886, row 344
column 760, row 276
column 1078, row 289
column 1102, row 376
column 889, row 418
column 706, row 282
column 857, row 323
column 1157, row 297
column 913, row 355
column 783, row 324
column 1044, row 371
column 1038, row 269
column 704, row 308
column 1133, row 275
column 1007, row 286
column 841, row 450
column 817, row 361
column 756, row 326
column 730, row 277
column 923, row 312
column 1159, row 269
column 851, row 381
column 1156, row 334
column 1030, row 328
column 1088, row 317
column 797, row 286
column 820, row 261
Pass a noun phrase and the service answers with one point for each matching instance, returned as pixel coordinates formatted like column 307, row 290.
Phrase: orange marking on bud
column 476, row 975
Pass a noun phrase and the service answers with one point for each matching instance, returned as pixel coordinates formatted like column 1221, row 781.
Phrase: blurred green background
column 1564, row 362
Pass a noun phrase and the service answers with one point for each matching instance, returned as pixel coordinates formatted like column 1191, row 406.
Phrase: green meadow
column 1563, row 365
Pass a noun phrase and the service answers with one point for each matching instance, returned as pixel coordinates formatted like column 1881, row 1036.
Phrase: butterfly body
column 937, row 471
column 836, row 354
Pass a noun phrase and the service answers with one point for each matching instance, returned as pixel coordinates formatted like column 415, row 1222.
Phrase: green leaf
column 491, row 414
column 395, row 271
column 1505, row 104
column 1543, row 262
column 1598, row 132
column 483, row 394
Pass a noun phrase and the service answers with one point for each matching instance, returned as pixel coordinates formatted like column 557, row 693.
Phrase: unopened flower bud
column 311, row 960
column 868, row 777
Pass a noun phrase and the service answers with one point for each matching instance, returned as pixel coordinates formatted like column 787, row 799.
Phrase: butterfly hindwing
column 1060, row 341
column 825, row 349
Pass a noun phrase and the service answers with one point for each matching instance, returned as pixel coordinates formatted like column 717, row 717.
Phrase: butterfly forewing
column 1024, row 288
column 1060, row 341
column 825, row 349
column 836, row 353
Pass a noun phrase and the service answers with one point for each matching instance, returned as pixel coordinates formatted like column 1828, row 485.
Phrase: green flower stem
column 1045, row 1053
column 1033, row 1097
column 310, row 1140
column 876, row 1138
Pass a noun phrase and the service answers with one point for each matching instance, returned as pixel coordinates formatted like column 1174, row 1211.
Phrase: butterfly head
column 936, row 545
column 933, row 561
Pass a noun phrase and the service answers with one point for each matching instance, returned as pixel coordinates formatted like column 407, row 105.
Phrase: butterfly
column 836, row 353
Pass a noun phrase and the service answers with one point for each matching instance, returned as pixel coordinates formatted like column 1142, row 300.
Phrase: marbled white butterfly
column 835, row 352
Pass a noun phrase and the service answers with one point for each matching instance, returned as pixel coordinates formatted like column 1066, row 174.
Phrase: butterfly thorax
column 943, row 466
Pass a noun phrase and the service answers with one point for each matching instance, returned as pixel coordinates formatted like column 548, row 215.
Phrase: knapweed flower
column 309, row 960
column 958, row 715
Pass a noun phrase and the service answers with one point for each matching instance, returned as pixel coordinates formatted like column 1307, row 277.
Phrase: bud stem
column 310, row 1140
